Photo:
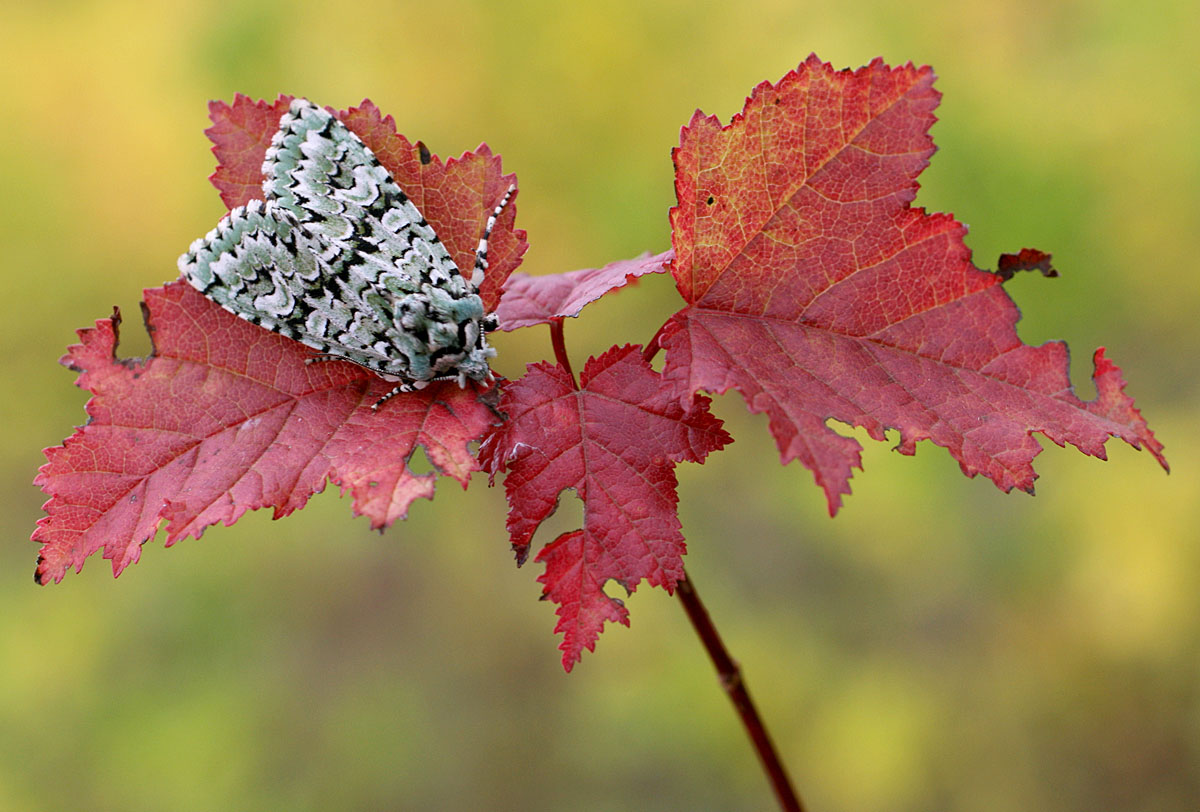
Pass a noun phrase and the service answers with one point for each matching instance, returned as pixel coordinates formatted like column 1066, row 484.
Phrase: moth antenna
column 481, row 252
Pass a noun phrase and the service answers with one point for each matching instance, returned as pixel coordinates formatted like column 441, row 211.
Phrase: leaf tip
column 1113, row 403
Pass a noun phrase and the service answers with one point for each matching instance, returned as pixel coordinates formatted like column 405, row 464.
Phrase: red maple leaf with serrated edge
column 225, row 416
column 815, row 290
column 530, row 300
column 615, row 440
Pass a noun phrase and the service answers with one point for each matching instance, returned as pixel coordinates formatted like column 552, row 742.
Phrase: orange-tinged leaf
column 818, row 292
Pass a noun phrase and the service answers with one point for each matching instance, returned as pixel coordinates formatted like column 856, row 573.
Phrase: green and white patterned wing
column 337, row 257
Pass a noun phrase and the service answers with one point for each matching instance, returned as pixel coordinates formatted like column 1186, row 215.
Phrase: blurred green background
column 937, row 646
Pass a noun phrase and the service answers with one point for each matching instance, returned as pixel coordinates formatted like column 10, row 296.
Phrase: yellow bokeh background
column 937, row 646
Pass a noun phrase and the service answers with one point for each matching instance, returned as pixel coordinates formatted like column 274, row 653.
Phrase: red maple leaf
column 615, row 440
column 226, row 417
column 530, row 300
column 815, row 290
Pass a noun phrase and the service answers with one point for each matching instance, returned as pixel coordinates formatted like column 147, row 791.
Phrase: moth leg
column 399, row 390
column 404, row 388
column 481, row 252
column 325, row 356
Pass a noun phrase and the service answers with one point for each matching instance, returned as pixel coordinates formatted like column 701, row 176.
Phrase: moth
column 337, row 257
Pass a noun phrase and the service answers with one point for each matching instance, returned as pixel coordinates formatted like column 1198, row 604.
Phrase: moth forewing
column 338, row 257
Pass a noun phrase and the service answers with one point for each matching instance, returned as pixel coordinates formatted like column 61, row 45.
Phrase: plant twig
column 730, row 674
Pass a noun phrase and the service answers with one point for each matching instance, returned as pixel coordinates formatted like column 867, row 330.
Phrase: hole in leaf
column 566, row 518
column 135, row 340
column 419, row 462
column 658, row 362
column 615, row 591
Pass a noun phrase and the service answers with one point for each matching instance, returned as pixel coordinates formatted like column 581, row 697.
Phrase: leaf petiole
column 560, row 349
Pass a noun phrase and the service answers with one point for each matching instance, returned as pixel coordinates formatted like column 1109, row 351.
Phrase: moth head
column 474, row 363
